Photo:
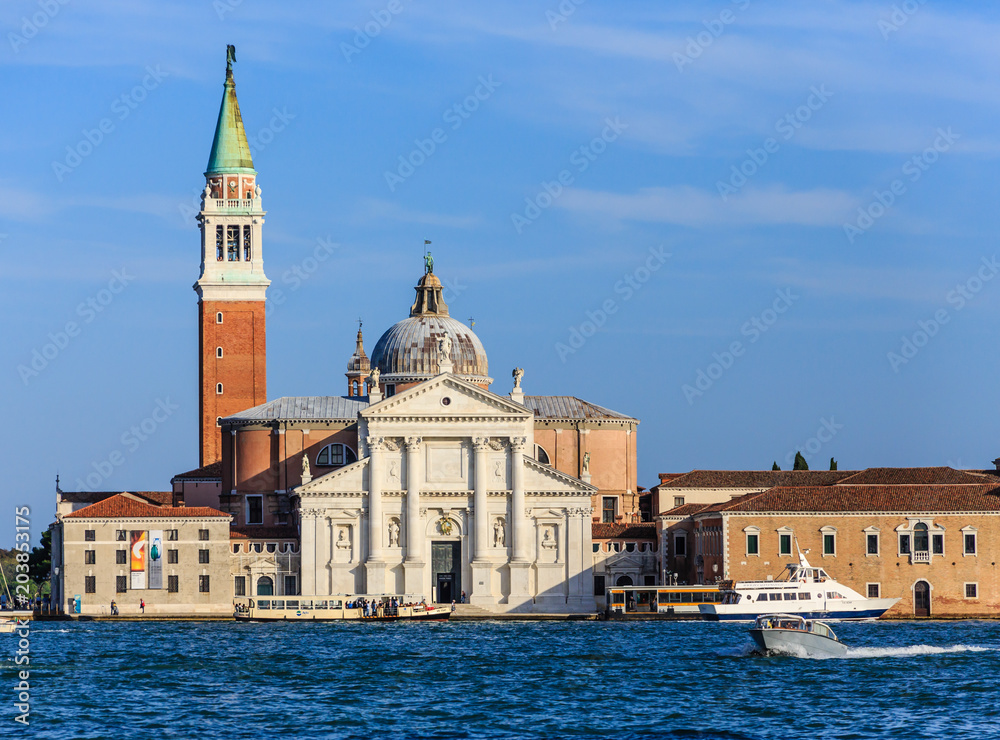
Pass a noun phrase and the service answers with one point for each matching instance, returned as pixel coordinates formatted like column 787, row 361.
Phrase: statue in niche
column 342, row 539
column 393, row 533
column 547, row 540
column 518, row 374
column 498, row 533
column 586, row 463
column 306, row 473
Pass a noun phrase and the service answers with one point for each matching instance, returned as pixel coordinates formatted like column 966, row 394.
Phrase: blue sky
column 758, row 227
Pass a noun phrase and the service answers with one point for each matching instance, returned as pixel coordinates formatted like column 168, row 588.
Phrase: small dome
column 359, row 360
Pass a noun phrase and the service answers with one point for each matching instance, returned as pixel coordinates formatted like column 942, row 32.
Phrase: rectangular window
column 203, row 535
column 774, row 597
column 219, row 239
column 246, row 243
column 872, row 544
column 789, row 597
column 203, row 557
column 970, row 543
column 89, row 557
column 90, row 584
column 240, row 587
column 829, row 544
column 121, row 584
column 255, row 509
column 172, row 584
column 803, row 596
column 120, row 535
column 873, row 591
column 203, row 584
column 678, row 501
column 608, row 510
column 680, row 546
column 290, row 589
column 172, row 535
column 233, row 243
column 972, row 590
column 904, row 544
column 597, row 546
column 121, row 557
column 753, row 544
column 89, row 535
column 784, row 544
column 598, row 585
column 172, row 557
column 937, row 544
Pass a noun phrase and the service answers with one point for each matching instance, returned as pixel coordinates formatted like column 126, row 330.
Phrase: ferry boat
column 803, row 590
column 792, row 634
column 340, row 607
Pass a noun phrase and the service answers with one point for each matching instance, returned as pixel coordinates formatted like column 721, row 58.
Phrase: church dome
column 408, row 351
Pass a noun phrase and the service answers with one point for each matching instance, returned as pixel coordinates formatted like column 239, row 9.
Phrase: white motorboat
column 802, row 590
column 794, row 635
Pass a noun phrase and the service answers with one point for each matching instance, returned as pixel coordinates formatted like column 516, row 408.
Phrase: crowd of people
column 386, row 606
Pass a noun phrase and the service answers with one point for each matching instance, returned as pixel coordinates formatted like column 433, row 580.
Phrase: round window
column 445, row 401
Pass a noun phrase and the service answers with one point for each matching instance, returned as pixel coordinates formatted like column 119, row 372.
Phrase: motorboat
column 795, row 635
column 801, row 590
column 335, row 608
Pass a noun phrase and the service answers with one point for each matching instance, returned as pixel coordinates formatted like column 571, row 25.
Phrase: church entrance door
column 446, row 571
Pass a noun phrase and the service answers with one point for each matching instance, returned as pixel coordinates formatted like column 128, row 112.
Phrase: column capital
column 374, row 443
column 518, row 444
column 481, row 444
column 413, row 443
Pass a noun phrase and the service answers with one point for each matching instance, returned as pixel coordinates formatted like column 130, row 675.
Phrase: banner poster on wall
column 155, row 569
column 138, row 539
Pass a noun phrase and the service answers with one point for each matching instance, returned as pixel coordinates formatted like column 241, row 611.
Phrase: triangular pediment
column 541, row 477
column 348, row 478
column 446, row 396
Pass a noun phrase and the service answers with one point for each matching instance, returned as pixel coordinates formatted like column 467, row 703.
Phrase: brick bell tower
column 232, row 287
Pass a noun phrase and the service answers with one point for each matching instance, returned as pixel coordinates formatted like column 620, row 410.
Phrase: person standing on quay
column 142, row 605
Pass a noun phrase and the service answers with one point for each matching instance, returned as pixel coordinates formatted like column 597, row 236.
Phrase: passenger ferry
column 803, row 591
column 676, row 600
column 340, row 607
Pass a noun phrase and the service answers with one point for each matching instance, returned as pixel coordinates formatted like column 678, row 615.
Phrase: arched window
column 218, row 388
column 335, row 455
column 218, row 352
column 920, row 537
column 623, row 581
column 541, row 455
column 265, row 586
column 354, row 388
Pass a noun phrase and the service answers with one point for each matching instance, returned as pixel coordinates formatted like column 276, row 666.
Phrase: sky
column 757, row 227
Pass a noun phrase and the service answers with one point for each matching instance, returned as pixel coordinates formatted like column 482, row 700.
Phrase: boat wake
column 913, row 651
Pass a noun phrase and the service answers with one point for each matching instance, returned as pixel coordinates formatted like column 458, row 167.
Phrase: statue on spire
column 230, row 57
column 428, row 263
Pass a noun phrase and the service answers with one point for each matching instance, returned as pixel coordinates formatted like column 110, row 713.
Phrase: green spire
column 230, row 150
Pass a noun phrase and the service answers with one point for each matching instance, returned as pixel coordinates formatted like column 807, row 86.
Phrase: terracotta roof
column 165, row 498
column 913, row 476
column 667, row 477
column 757, row 478
column 570, row 407
column 685, row 510
column 917, row 498
column 212, row 470
column 123, row 506
column 258, row 532
column 634, row 531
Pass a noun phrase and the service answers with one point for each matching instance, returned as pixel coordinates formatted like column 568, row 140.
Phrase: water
column 688, row 680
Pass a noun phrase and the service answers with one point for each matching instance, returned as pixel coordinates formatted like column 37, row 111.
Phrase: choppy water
column 501, row 679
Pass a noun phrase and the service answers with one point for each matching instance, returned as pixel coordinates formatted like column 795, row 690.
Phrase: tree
column 775, row 466
column 833, row 464
column 800, row 462
column 40, row 560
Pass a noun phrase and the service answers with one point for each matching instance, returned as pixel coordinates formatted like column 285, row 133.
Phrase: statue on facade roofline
column 373, row 379
column 518, row 374
column 444, row 346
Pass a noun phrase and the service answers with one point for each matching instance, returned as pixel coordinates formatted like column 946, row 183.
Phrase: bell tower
column 232, row 286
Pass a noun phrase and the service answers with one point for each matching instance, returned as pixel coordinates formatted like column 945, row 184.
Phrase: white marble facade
column 445, row 470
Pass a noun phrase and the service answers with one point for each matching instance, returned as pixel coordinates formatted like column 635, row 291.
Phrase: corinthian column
column 414, row 533
column 307, row 559
column 519, row 535
column 482, row 518
column 375, row 445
